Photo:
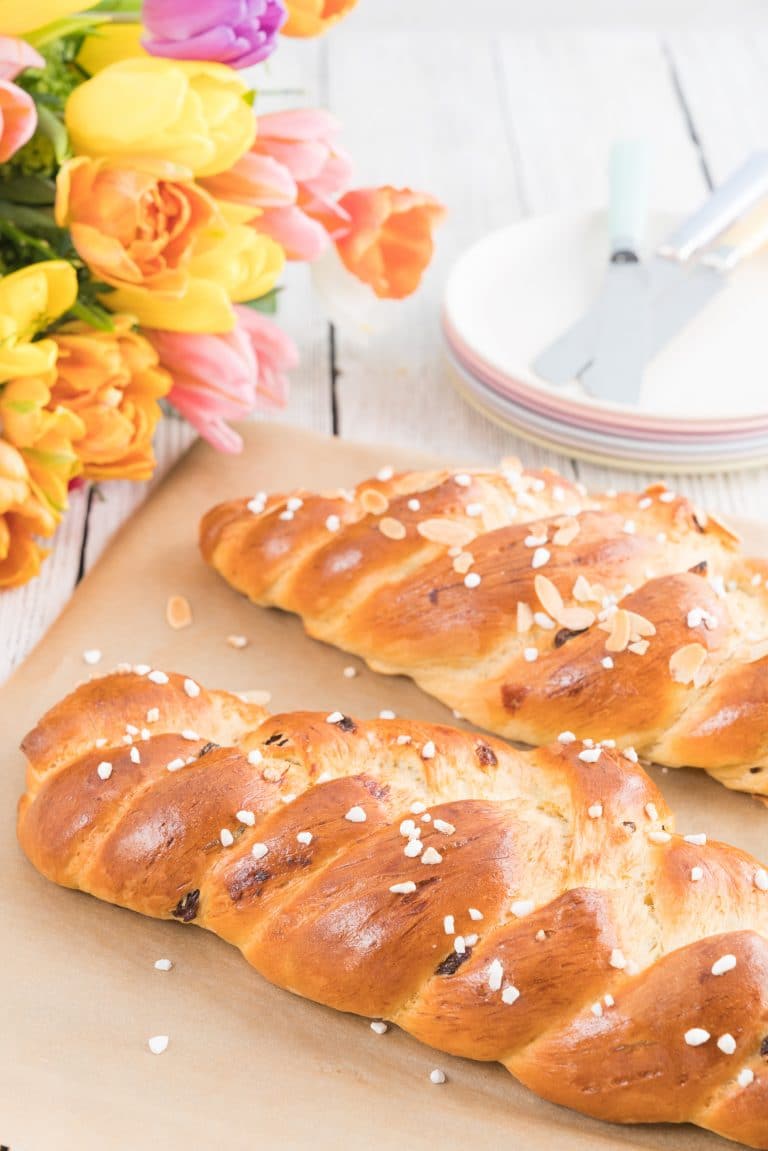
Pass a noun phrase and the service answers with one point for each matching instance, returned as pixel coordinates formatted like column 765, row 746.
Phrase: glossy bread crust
column 528, row 605
column 533, row 908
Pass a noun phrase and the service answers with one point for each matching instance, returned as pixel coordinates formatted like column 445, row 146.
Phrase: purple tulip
column 234, row 32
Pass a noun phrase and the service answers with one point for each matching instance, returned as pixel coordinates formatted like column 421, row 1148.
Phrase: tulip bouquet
column 146, row 212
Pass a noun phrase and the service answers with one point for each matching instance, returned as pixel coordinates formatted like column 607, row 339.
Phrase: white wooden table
column 503, row 109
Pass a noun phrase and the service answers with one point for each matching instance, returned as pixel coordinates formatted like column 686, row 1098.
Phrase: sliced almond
column 524, row 617
column 639, row 647
column 582, row 590
column 463, row 562
column 549, row 597
column 392, row 528
column 511, row 464
column 567, row 532
column 178, row 612
column 451, row 533
column 620, row 633
column 640, row 626
column 576, row 618
column 686, row 662
column 733, row 535
column 376, row 503
column 257, row 696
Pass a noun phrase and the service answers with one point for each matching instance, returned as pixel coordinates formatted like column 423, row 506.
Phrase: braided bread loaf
column 528, row 606
column 526, row 907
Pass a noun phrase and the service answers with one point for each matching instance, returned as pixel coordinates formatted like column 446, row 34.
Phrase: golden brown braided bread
column 528, row 606
column 527, row 907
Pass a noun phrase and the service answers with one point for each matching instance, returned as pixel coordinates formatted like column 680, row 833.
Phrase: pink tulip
column 18, row 115
column 16, row 55
column 224, row 377
column 295, row 174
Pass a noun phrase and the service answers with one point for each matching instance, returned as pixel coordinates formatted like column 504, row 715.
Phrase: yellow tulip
column 245, row 263
column 29, row 300
column 109, row 43
column 187, row 111
column 20, row 16
column 44, row 438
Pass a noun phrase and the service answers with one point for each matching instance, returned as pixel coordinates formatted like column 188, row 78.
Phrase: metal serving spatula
column 624, row 282
column 672, row 290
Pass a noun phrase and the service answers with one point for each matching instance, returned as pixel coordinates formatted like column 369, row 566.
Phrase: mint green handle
column 628, row 207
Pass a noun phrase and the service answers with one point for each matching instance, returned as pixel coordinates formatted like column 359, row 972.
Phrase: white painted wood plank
column 724, row 81
column 26, row 612
column 570, row 95
column 518, row 15
column 423, row 110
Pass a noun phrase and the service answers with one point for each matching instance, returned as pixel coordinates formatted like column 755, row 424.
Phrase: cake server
column 623, row 284
column 668, row 291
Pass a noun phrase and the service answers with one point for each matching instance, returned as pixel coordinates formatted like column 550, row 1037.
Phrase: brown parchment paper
column 248, row 1065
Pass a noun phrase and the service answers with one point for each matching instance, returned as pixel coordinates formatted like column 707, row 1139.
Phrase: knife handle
column 628, row 203
column 740, row 241
column 726, row 204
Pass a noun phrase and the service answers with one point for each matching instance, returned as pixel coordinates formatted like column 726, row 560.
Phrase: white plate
column 615, row 451
column 514, row 291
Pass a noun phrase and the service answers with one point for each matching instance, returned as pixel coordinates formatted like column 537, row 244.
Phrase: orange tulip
column 112, row 382
column 174, row 258
column 19, row 555
column 389, row 242
column 312, row 17
column 37, row 462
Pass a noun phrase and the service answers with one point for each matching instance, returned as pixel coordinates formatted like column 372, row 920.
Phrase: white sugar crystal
column 104, row 770
column 246, row 817
column 617, row 959
column 495, row 975
column 305, row 838
column 510, row 994
column 259, row 850
column 406, row 888
column 430, row 856
column 521, row 907
column 745, row 1077
column 158, row 1044
column 356, row 815
column 191, row 688
column 727, row 1044
column 379, row 1026
column 226, row 837
column 255, row 757
column 92, row 656
column 158, row 677
column 428, row 751
column 696, row 1036
column 437, row 1076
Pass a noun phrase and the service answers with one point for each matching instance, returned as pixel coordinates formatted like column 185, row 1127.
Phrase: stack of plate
column 704, row 401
